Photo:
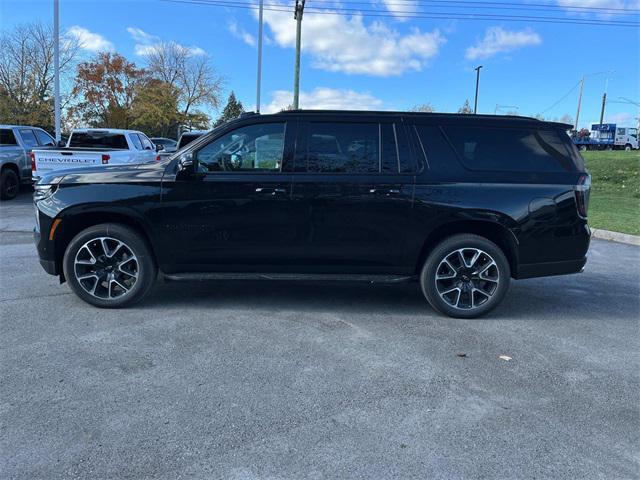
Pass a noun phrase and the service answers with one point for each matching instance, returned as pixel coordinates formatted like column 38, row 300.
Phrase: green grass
column 615, row 190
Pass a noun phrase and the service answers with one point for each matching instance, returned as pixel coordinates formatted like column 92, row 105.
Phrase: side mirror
column 159, row 147
column 186, row 164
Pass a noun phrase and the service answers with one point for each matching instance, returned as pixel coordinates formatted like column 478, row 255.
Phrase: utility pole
column 604, row 99
column 56, row 67
column 579, row 103
column 296, row 78
column 475, row 103
column 259, row 56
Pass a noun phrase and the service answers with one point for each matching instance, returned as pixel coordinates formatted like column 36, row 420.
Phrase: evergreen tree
column 231, row 110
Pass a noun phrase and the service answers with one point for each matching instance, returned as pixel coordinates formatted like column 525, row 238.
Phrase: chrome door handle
column 270, row 191
column 384, row 191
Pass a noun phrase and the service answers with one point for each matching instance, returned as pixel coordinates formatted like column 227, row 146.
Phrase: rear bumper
column 532, row 270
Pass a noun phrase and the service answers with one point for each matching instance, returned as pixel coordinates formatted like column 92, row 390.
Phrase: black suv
column 462, row 203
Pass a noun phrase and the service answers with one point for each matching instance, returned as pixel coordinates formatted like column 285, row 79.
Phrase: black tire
column 131, row 265
column 9, row 184
column 473, row 292
column 627, row 147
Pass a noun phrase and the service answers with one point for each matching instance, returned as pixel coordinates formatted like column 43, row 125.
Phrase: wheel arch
column 495, row 232
column 11, row 166
column 74, row 223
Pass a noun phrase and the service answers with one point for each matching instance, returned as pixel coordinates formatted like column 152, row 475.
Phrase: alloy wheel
column 106, row 268
column 467, row 278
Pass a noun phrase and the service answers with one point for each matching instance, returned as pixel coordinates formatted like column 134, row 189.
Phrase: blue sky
column 376, row 62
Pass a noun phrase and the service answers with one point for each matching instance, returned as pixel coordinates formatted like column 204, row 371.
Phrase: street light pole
column 56, row 67
column 259, row 80
column 475, row 103
column 296, row 78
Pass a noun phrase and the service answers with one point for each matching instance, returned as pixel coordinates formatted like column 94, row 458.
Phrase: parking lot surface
column 259, row 380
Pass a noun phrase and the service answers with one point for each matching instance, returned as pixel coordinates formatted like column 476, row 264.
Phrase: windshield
column 98, row 139
column 164, row 141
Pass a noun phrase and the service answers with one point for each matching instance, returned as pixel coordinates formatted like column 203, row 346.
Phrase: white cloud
column 498, row 40
column 620, row 118
column 401, row 8
column 147, row 43
column 141, row 36
column 323, row 98
column 340, row 44
column 243, row 35
column 88, row 40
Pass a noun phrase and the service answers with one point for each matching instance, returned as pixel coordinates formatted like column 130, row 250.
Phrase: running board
column 330, row 277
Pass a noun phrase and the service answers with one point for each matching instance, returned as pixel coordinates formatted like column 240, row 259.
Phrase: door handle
column 384, row 191
column 271, row 191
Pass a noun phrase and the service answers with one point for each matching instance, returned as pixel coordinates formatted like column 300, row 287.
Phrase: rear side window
column 7, row 137
column 341, row 148
column 396, row 155
column 28, row 138
column 510, row 149
column 98, row 140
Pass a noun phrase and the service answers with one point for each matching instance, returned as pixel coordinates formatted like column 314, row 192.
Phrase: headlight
column 40, row 192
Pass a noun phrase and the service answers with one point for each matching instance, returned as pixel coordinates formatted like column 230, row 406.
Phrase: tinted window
column 136, row 141
column 389, row 149
column 99, row 139
column 251, row 148
column 509, row 149
column 7, row 137
column 342, row 148
column 187, row 138
column 433, row 149
column 28, row 138
column 43, row 138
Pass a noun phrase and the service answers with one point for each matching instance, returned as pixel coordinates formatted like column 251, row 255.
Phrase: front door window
column 254, row 148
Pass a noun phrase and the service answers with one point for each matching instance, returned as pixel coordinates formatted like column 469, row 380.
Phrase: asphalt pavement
column 260, row 380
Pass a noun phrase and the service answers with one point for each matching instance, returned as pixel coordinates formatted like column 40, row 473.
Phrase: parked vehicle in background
column 96, row 147
column 169, row 144
column 16, row 143
column 187, row 137
column 608, row 136
column 463, row 203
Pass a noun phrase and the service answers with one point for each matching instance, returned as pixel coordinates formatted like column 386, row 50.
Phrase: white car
column 170, row 145
column 89, row 147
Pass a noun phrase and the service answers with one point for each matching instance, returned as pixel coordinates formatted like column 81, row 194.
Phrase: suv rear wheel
column 465, row 276
column 109, row 266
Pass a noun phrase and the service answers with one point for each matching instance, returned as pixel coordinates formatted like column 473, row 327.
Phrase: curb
column 615, row 236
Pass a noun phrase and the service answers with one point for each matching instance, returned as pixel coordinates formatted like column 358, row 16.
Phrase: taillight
column 105, row 159
column 582, row 194
column 33, row 161
column 157, row 158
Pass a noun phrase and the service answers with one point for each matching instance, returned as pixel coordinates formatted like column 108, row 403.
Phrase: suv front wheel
column 465, row 276
column 109, row 266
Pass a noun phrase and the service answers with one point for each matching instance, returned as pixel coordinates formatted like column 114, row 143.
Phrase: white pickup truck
column 94, row 147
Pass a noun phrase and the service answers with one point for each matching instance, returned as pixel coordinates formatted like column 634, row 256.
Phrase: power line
column 561, row 98
column 499, row 5
column 274, row 7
